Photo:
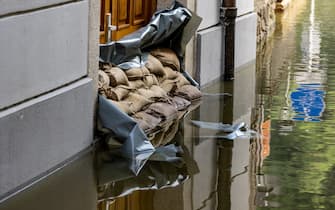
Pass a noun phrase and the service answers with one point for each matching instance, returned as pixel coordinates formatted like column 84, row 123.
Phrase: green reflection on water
column 302, row 159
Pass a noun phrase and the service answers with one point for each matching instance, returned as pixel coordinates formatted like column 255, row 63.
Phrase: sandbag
column 170, row 86
column 181, row 80
column 180, row 103
column 103, row 79
column 167, row 57
column 118, row 93
column 136, row 84
column 155, row 66
column 117, row 77
column 152, row 93
column 170, row 73
column 137, row 73
column 150, row 80
column 163, row 110
column 148, row 120
column 188, row 92
column 123, row 106
column 137, row 102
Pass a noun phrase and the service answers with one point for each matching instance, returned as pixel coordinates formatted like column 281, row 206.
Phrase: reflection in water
column 299, row 172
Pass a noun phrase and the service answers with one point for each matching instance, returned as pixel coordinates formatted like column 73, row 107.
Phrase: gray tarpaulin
column 133, row 139
column 171, row 28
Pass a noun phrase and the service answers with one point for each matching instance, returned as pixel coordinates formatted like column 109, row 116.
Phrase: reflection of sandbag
column 167, row 57
column 155, row 66
column 189, row 92
column 117, row 76
column 163, row 110
column 137, row 73
column 103, row 79
column 170, row 133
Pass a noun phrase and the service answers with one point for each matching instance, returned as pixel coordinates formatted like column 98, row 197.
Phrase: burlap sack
column 103, row 79
column 170, row 73
column 123, row 106
column 169, row 86
column 155, row 66
column 150, row 80
column 137, row 102
column 154, row 93
column 104, row 66
column 188, row 92
column 180, row 103
column 117, row 77
column 149, row 120
column 137, row 73
column 136, row 84
column 181, row 80
column 167, row 57
column 163, row 110
column 118, row 93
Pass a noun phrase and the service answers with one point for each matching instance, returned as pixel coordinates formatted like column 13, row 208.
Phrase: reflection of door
column 126, row 15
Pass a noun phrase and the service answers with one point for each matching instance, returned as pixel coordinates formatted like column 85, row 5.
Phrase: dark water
column 287, row 96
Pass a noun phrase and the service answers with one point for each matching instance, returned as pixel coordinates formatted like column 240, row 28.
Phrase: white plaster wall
column 245, row 39
column 209, row 55
column 13, row 6
column 209, row 11
column 41, row 133
column 42, row 50
column 244, row 6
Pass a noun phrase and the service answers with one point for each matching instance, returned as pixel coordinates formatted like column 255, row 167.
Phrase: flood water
column 287, row 96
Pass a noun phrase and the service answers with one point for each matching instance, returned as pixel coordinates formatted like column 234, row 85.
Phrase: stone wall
column 266, row 19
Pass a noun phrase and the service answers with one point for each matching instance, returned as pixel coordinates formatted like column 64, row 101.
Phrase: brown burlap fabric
column 180, row 103
column 119, row 92
column 163, row 110
column 155, row 66
column 150, row 80
column 137, row 73
column 170, row 73
column 117, row 77
column 147, row 121
column 167, row 57
column 103, row 79
column 188, row 92
column 154, row 93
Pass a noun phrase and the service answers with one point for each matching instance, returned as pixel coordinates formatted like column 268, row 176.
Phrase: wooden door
column 126, row 15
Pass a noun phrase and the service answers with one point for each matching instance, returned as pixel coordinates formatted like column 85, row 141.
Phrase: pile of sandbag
column 153, row 95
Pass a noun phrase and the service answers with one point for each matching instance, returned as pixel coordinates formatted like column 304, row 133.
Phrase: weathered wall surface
column 265, row 19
